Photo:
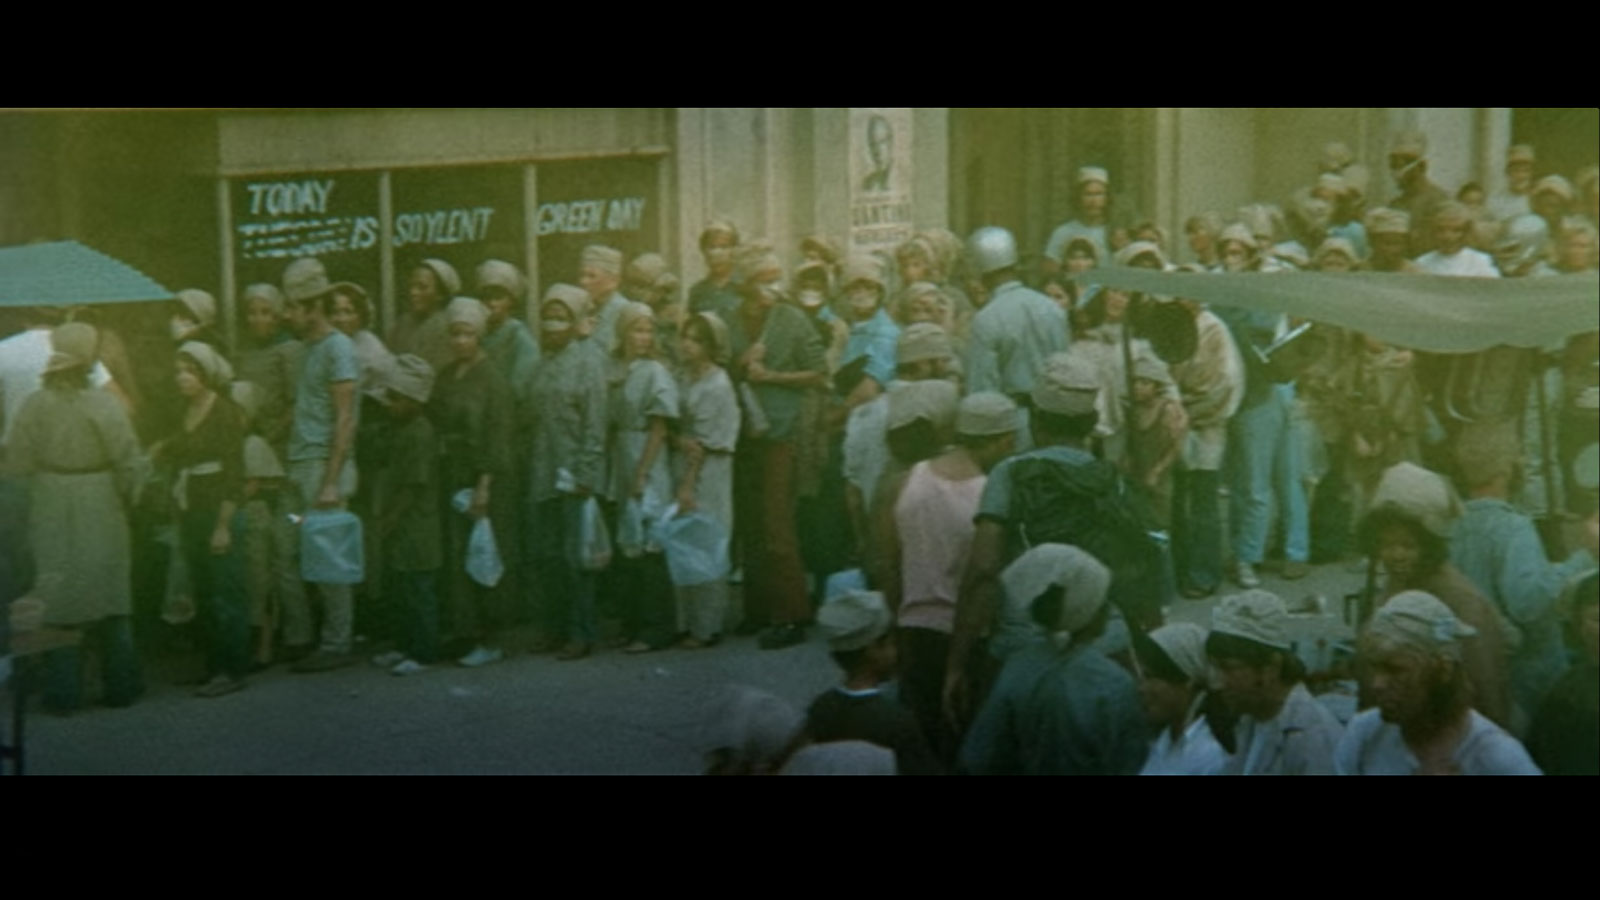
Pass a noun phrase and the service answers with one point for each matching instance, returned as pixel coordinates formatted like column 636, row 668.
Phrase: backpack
column 1092, row 507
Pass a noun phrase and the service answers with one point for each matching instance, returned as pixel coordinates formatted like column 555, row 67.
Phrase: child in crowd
column 861, row 641
column 1160, row 428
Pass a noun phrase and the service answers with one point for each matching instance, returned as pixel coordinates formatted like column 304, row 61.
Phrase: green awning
column 66, row 273
column 1436, row 313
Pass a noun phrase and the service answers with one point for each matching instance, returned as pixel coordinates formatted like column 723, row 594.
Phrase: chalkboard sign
column 460, row 215
column 612, row 202
column 333, row 217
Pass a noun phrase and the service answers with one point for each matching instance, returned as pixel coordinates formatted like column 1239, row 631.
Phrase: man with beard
column 1423, row 723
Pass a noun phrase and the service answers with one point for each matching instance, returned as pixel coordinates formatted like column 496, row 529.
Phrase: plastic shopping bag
column 696, row 546
column 330, row 547
column 483, row 554
column 841, row 583
column 588, row 540
column 630, row 529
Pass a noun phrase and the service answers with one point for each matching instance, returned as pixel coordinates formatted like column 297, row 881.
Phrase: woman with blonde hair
column 643, row 405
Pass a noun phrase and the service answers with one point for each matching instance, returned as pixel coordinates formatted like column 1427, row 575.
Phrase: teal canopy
column 66, row 273
column 1435, row 313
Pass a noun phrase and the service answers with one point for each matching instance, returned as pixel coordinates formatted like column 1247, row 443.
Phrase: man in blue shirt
column 1497, row 547
column 321, row 450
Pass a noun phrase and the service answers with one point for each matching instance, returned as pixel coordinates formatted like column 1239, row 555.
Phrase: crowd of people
column 987, row 493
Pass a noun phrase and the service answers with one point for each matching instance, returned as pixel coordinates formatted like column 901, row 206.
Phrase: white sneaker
column 407, row 667
column 388, row 660
column 1245, row 574
column 481, row 656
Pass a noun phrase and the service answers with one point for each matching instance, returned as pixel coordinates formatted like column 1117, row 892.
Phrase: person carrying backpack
column 1058, row 493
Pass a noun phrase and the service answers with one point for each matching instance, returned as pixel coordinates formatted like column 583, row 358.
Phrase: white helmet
column 1522, row 240
column 991, row 249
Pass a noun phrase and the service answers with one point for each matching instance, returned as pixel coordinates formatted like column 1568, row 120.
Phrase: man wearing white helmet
column 1017, row 330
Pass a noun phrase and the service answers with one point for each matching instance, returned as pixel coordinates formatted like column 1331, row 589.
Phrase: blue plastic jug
column 330, row 547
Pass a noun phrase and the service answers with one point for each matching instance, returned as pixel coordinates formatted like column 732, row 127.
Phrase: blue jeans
column 112, row 638
column 219, row 592
column 415, row 597
column 1266, row 460
column 566, row 593
column 1197, row 528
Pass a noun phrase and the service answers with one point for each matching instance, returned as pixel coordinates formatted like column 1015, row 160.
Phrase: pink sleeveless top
column 934, row 517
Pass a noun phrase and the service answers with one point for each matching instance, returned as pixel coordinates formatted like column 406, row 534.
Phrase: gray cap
column 923, row 340
column 1254, row 615
column 200, row 304
column 448, row 279
column 410, row 376
column 305, row 279
column 987, row 413
column 1069, row 385
column 501, row 274
column 934, row 400
column 854, row 620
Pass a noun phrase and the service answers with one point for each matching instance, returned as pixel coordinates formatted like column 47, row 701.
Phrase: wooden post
column 530, row 237
column 230, row 290
column 386, row 251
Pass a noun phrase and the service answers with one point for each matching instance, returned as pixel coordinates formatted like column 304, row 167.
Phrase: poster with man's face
column 880, row 177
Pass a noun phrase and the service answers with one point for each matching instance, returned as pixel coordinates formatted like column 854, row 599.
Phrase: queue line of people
column 829, row 397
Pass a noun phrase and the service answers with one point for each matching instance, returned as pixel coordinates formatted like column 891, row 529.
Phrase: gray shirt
column 567, row 398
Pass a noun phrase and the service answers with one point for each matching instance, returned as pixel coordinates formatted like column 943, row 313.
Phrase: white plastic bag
column 589, row 542
column 840, row 583
column 483, row 554
column 484, row 562
column 330, row 547
column 696, row 546
column 630, row 529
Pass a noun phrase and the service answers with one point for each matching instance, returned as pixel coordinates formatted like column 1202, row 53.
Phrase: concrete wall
column 781, row 174
column 1216, row 165
column 290, row 141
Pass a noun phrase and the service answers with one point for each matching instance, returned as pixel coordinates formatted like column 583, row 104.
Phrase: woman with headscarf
column 708, row 432
column 643, row 405
column 422, row 329
column 79, row 450
column 1408, row 530
column 472, row 413
column 566, row 399
column 1174, row 685
column 269, row 357
column 1060, row 706
column 207, row 459
column 507, row 341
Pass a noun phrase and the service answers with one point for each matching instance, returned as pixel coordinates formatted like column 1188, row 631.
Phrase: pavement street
column 608, row 714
